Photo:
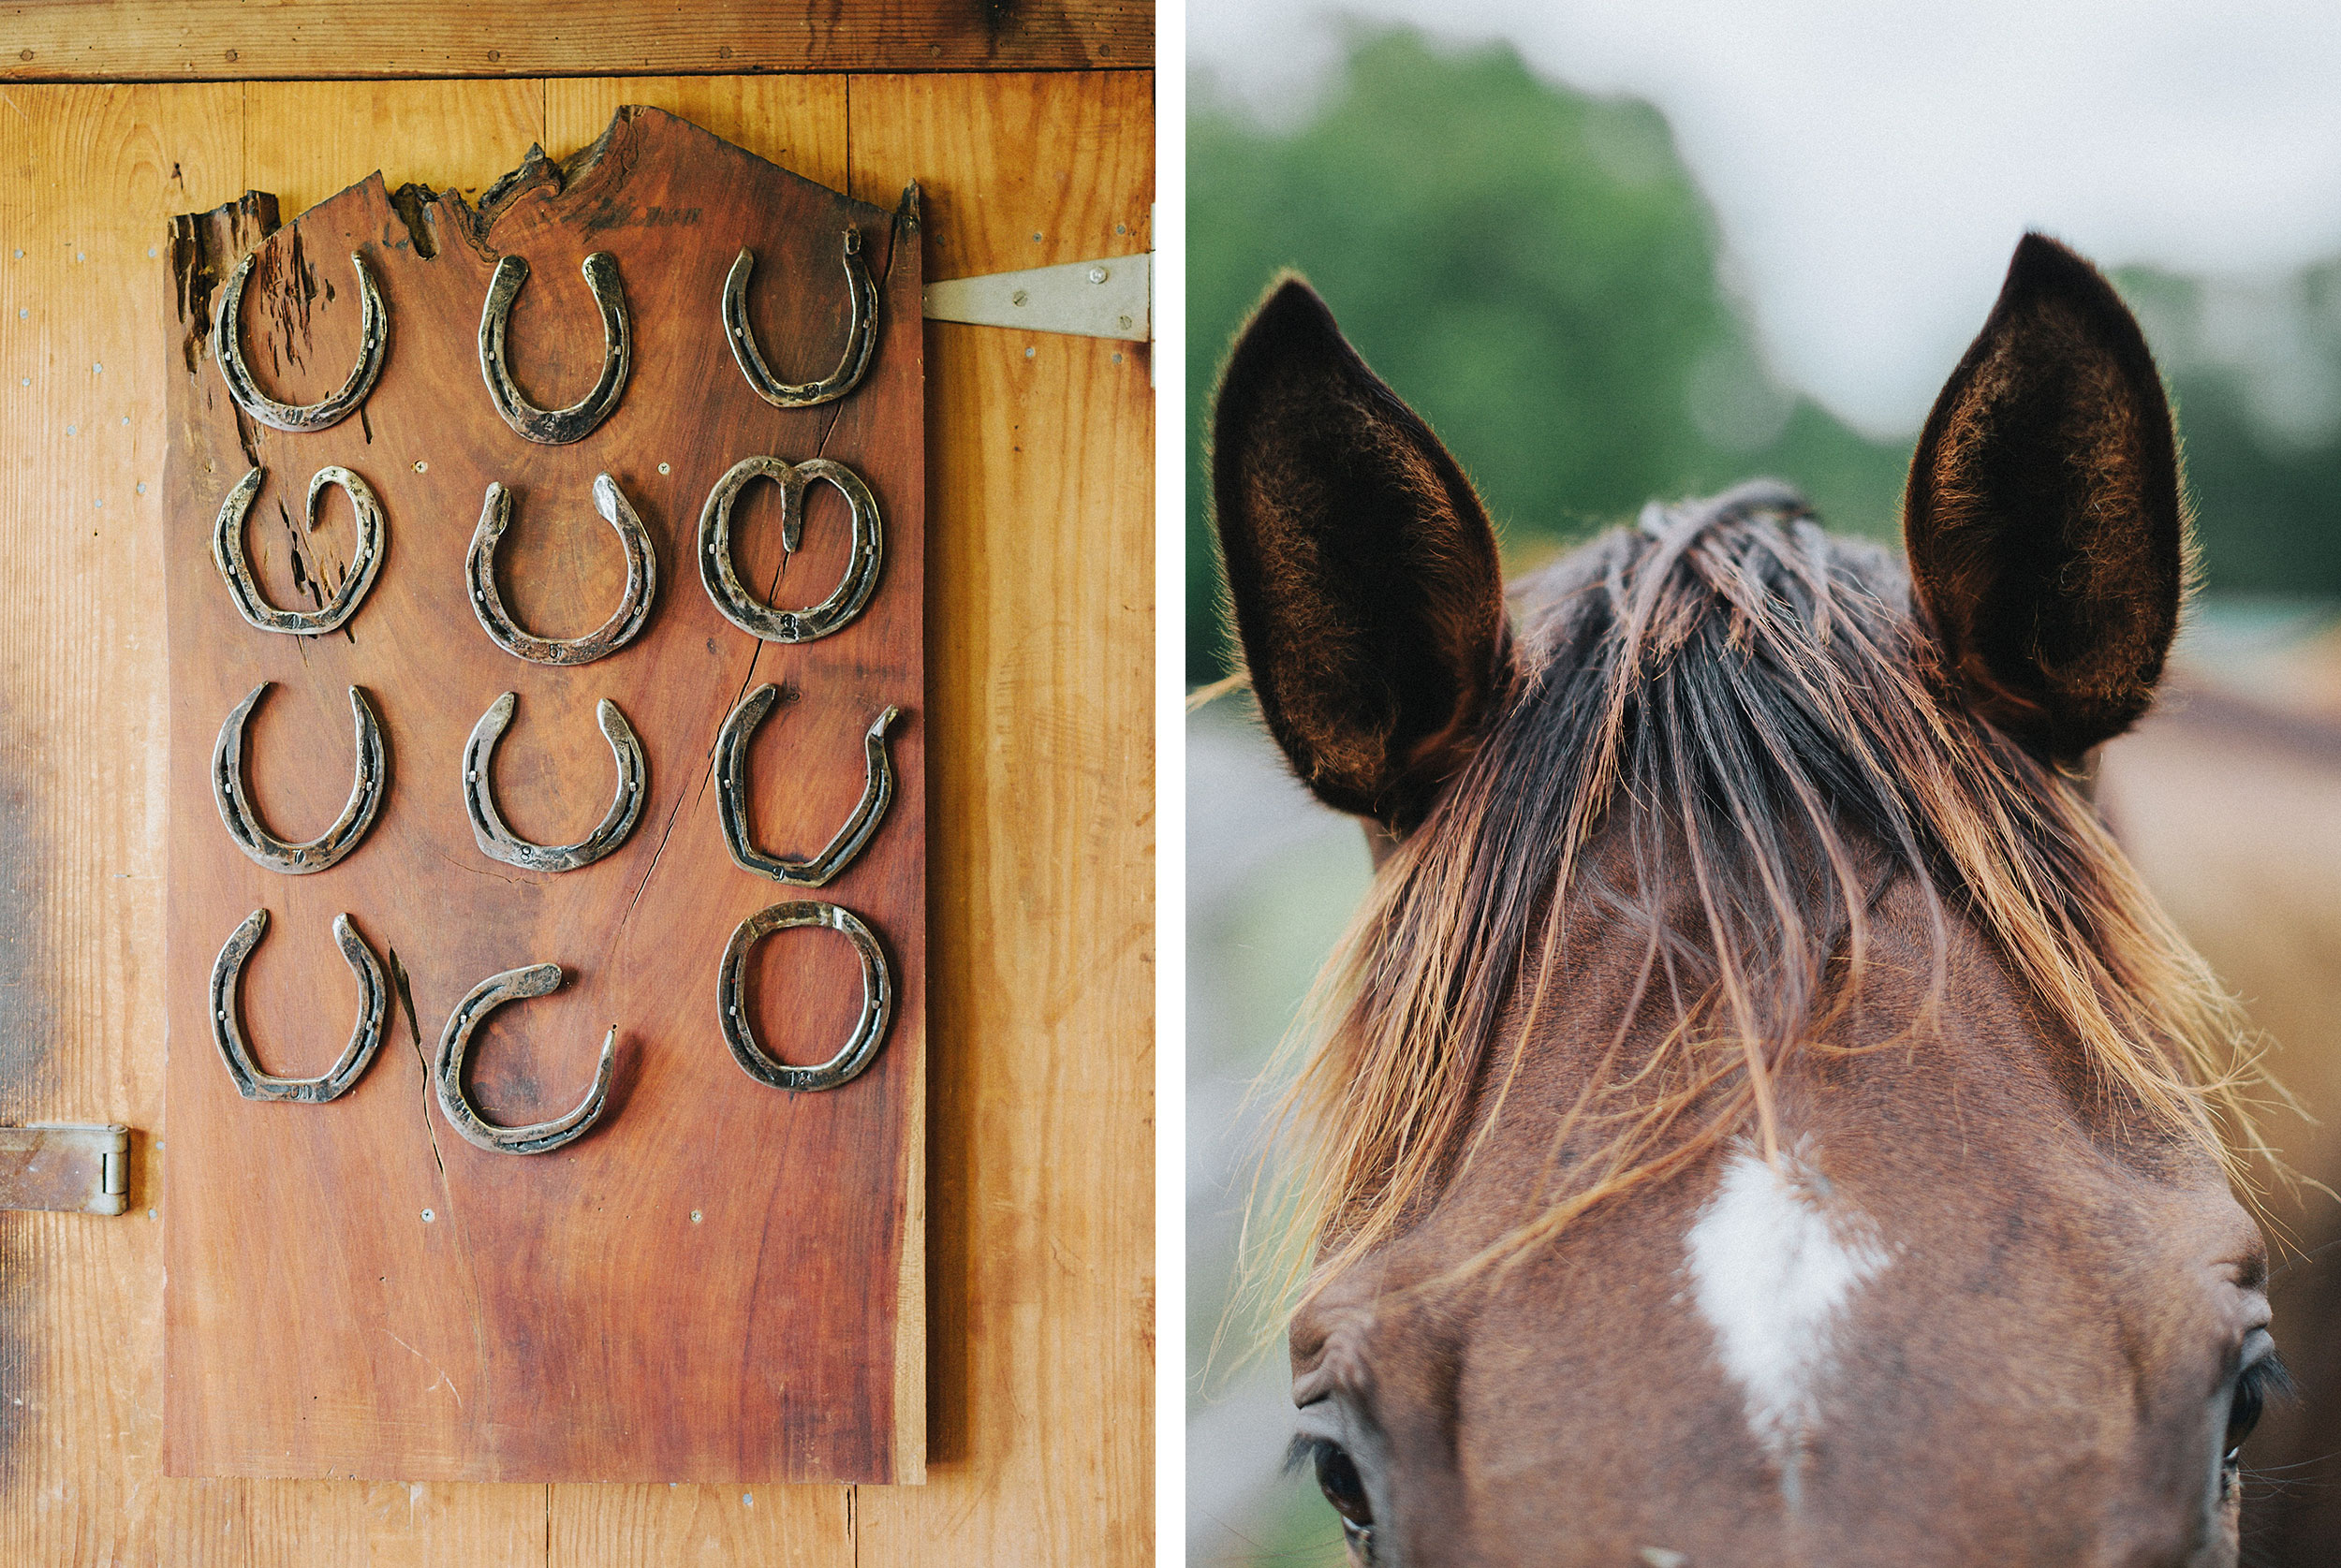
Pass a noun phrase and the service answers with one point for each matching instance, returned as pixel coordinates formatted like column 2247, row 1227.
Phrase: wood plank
column 709, row 1286
column 144, row 41
column 308, row 141
column 92, row 175
column 1041, row 614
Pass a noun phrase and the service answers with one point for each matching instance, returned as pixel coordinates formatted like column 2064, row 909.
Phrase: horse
column 1756, row 1115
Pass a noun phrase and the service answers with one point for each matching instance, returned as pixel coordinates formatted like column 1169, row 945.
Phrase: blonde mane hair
column 1754, row 707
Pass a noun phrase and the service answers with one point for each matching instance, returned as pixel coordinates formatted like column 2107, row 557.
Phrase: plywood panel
column 1041, row 1279
column 135, row 40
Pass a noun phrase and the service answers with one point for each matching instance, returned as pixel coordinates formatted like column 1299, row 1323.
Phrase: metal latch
column 68, row 1167
column 1110, row 298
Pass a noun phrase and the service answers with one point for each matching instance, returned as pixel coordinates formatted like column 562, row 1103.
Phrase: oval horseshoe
column 327, row 849
column 446, row 1069
column 731, row 802
column 226, row 1033
column 869, row 1029
column 227, row 348
column 860, row 338
column 722, row 580
column 625, row 623
column 558, row 426
column 495, row 840
column 364, row 562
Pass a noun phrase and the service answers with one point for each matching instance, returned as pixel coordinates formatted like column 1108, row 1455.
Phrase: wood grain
column 193, row 41
column 1041, row 939
column 1042, row 1269
column 708, row 1287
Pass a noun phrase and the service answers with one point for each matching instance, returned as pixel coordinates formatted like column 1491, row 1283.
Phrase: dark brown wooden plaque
column 722, row 1281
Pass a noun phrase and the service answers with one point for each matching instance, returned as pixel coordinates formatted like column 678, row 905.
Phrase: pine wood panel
column 1041, row 478
column 191, row 40
column 1040, row 1146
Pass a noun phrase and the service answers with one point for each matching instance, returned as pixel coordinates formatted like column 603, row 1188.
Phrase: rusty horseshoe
column 446, row 1069
column 722, row 578
column 227, row 348
column 497, row 841
column 364, row 1039
column 244, row 825
column 364, row 562
column 869, row 1029
column 558, row 426
column 625, row 623
column 731, row 797
column 861, row 337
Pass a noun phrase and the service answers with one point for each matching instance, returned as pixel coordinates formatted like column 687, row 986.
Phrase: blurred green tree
column 1533, row 268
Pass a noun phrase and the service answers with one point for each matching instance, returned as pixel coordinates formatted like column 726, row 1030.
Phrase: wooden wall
column 1040, row 635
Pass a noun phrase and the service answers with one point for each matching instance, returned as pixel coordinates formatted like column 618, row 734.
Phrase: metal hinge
column 68, row 1167
column 1108, row 297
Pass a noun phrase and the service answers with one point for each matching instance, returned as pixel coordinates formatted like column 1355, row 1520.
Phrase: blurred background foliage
column 1533, row 269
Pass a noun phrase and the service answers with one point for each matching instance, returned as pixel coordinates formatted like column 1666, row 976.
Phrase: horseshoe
column 558, row 426
column 227, row 348
column 227, row 554
column 327, row 849
column 731, row 791
column 372, row 1003
column 869, row 1029
column 722, row 580
column 861, row 341
column 625, row 623
column 495, row 840
column 446, row 1069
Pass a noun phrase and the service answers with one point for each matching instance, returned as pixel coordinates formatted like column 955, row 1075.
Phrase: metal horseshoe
column 327, row 849
column 556, row 427
column 373, row 1006
column 495, row 840
column 731, row 803
column 366, row 561
column 633, row 611
column 869, row 1029
column 751, row 614
column 861, row 337
column 446, row 1069
column 227, row 348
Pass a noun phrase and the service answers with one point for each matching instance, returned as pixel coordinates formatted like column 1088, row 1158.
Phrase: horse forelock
column 1729, row 735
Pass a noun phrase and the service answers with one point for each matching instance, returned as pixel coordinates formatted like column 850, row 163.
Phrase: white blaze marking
column 1772, row 1262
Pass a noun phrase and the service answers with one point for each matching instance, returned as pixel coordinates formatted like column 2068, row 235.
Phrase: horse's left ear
column 1362, row 570
column 2042, row 518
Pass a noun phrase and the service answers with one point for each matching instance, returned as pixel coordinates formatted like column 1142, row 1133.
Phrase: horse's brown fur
column 1733, row 843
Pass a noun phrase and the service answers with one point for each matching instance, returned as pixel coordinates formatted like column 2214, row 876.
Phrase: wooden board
column 1040, row 1275
column 127, row 40
column 720, row 1282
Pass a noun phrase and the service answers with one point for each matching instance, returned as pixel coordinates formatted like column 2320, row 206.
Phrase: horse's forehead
column 1950, row 1262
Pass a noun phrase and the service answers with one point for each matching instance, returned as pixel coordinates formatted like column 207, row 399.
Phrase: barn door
column 1040, row 458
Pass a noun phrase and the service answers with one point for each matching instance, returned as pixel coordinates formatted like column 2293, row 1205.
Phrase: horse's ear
column 1364, row 574
column 2043, row 522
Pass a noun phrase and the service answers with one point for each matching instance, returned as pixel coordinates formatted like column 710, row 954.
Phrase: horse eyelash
column 1301, row 1456
column 2269, row 1377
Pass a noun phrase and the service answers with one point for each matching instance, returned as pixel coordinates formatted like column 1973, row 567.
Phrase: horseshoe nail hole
column 428, row 1216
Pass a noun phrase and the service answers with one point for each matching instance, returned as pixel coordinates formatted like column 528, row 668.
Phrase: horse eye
column 2242, row 1410
column 1337, row 1478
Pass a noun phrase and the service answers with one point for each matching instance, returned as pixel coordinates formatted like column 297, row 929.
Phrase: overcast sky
column 1873, row 162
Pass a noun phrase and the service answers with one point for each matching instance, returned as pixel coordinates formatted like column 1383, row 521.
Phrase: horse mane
column 1727, row 696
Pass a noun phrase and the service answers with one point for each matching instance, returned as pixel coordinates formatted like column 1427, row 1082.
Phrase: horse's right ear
column 1367, row 590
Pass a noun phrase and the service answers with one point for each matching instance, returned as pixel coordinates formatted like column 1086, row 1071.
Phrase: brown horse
column 1757, row 1117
